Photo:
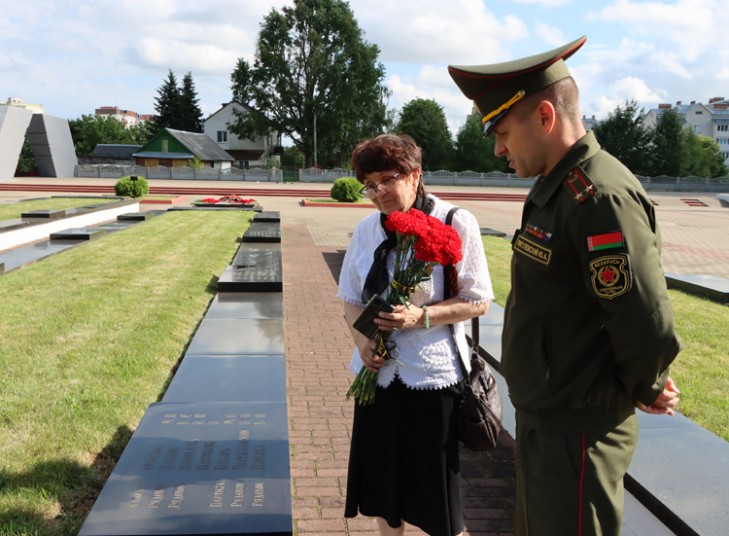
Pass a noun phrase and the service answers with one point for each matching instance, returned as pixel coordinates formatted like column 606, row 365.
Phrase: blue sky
column 73, row 56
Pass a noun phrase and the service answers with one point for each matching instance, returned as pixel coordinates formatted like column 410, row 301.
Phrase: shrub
column 347, row 189
column 132, row 187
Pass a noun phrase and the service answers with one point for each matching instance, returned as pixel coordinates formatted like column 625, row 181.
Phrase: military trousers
column 572, row 484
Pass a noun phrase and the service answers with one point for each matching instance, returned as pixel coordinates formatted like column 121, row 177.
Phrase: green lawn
column 701, row 370
column 88, row 339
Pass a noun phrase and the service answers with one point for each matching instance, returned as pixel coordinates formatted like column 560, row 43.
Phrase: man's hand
column 665, row 403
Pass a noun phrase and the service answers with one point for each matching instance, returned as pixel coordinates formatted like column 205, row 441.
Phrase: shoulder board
column 579, row 185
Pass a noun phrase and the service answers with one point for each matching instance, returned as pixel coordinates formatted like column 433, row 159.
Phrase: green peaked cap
column 494, row 88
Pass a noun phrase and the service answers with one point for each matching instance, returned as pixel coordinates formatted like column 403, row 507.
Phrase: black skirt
column 403, row 461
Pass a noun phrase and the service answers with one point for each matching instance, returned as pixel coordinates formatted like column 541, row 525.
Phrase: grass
column 12, row 211
column 701, row 370
column 88, row 341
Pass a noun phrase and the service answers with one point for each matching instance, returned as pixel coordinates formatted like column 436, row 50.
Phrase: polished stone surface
column 213, row 468
column 709, row 286
column 263, row 232
column 44, row 214
column 11, row 225
column 255, row 268
column 697, row 463
column 20, row 256
column 246, row 305
column 79, row 233
column 228, row 378
column 267, row 215
column 238, row 336
column 15, row 258
column 486, row 231
column 493, row 317
column 140, row 216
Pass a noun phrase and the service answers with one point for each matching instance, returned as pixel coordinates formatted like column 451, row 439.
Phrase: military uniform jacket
column 588, row 326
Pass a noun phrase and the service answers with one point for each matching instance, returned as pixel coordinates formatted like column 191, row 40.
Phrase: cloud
column 434, row 31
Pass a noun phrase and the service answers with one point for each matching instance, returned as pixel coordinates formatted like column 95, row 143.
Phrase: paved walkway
column 318, row 347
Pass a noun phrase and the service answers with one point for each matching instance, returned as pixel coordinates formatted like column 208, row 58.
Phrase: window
column 222, row 136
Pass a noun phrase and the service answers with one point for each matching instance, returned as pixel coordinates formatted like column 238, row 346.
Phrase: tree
column 190, row 115
column 425, row 121
column 473, row 152
column 623, row 135
column 314, row 80
column 701, row 156
column 90, row 130
column 668, row 144
column 167, row 104
column 26, row 159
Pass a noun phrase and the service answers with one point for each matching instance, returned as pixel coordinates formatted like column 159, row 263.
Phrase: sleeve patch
column 611, row 276
column 605, row 241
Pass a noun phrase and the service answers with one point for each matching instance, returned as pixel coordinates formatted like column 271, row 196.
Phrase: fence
column 112, row 171
column 439, row 178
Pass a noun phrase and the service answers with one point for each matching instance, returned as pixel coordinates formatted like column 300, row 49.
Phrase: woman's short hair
column 386, row 152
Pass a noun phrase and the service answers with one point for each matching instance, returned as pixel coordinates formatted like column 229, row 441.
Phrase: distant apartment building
column 128, row 117
column 17, row 101
column 710, row 120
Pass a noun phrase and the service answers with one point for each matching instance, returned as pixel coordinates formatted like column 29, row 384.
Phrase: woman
column 404, row 464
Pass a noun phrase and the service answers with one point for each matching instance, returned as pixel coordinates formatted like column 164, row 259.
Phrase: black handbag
column 479, row 415
column 479, row 412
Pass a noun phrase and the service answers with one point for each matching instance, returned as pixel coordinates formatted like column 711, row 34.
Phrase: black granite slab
column 263, row 232
column 493, row 317
column 228, row 378
column 214, row 469
column 246, row 305
column 680, row 471
column 708, row 286
column 17, row 257
column 490, row 341
column 268, row 215
column 486, row 231
column 11, row 225
column 79, row 233
column 255, row 268
column 140, row 216
column 238, row 336
column 43, row 214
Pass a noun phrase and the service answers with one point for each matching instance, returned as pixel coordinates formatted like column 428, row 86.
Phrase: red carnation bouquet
column 422, row 242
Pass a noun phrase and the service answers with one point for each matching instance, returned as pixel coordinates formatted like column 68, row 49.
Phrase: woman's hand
column 403, row 317
column 370, row 358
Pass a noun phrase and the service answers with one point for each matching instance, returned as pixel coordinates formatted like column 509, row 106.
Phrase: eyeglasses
column 383, row 186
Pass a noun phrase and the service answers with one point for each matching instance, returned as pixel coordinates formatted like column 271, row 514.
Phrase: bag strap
column 447, row 274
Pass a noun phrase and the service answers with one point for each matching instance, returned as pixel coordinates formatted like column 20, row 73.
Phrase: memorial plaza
column 318, row 346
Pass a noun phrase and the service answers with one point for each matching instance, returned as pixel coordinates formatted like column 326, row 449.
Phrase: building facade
column 247, row 153
column 128, row 117
column 177, row 148
column 710, row 120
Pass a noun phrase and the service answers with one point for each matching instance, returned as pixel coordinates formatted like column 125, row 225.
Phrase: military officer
column 588, row 327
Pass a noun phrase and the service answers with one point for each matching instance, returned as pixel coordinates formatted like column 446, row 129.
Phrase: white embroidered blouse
column 427, row 358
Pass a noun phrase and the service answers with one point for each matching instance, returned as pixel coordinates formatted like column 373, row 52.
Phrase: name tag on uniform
column 533, row 250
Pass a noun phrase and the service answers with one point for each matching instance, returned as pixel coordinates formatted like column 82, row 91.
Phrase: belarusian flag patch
column 605, row 241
